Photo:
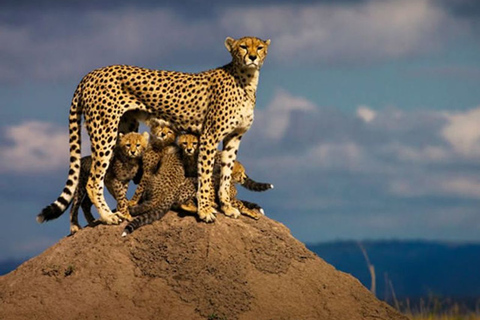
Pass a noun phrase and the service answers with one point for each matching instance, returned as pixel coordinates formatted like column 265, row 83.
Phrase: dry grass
column 443, row 317
column 434, row 308
column 431, row 308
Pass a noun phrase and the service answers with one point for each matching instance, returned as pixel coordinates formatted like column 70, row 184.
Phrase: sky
column 366, row 120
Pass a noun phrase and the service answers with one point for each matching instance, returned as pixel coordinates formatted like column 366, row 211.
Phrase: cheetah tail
column 253, row 206
column 58, row 207
column 144, row 219
column 252, row 185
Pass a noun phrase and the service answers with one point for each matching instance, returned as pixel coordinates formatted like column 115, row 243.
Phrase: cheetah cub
column 124, row 166
column 161, row 135
column 166, row 188
column 188, row 144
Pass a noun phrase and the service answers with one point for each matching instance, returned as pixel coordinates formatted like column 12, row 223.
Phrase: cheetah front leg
column 119, row 191
column 230, row 147
column 205, row 192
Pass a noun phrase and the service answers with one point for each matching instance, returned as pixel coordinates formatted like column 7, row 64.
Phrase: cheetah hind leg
column 187, row 196
column 230, row 147
column 77, row 201
column 102, row 144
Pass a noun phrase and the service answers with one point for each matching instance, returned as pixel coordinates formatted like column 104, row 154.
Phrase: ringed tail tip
column 40, row 218
column 50, row 212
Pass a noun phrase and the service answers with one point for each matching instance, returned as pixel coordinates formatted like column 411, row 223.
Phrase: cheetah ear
column 146, row 135
column 120, row 135
column 268, row 42
column 164, row 123
column 229, row 43
column 153, row 122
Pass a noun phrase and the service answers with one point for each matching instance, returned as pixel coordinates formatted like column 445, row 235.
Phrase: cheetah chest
column 123, row 171
column 245, row 116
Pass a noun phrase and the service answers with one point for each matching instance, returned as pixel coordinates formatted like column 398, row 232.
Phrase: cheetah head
column 133, row 144
column 238, row 173
column 248, row 52
column 162, row 131
column 188, row 143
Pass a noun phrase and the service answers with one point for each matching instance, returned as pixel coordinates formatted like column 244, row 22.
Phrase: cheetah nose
column 253, row 58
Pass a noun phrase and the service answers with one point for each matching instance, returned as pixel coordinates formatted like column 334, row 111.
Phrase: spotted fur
column 188, row 144
column 217, row 104
column 123, row 168
column 161, row 135
column 167, row 187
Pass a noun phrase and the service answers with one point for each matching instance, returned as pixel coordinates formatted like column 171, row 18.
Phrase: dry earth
column 179, row 268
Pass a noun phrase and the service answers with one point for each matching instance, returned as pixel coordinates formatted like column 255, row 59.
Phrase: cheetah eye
column 243, row 46
column 260, row 48
column 138, row 145
column 128, row 145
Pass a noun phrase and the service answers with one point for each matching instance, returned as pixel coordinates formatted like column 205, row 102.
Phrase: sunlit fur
column 216, row 104
column 188, row 145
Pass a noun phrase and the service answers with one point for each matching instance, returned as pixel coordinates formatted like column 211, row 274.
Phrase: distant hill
column 414, row 268
column 8, row 265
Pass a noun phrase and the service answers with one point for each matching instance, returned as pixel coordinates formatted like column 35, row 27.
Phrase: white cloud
column 404, row 154
column 447, row 184
column 463, row 132
column 69, row 44
column 366, row 114
column 367, row 30
column 34, row 146
column 275, row 118
column 429, row 154
column 468, row 187
column 64, row 43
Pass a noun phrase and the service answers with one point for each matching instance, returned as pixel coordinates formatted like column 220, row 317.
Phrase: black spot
column 67, row 191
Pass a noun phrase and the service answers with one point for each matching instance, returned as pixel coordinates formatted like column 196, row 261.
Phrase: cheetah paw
column 207, row 214
column 74, row 228
column 124, row 215
column 110, row 219
column 231, row 211
column 189, row 207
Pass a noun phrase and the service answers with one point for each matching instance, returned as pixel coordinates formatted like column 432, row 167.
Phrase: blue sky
column 367, row 112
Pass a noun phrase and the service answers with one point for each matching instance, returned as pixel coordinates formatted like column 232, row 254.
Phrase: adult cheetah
column 217, row 104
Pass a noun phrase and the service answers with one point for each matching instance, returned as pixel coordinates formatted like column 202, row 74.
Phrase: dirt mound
column 179, row 268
